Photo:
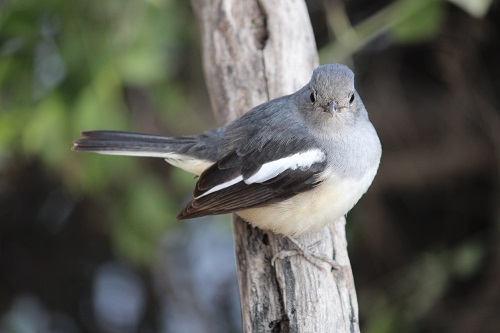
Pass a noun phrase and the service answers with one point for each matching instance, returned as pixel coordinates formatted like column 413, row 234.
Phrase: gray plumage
column 290, row 165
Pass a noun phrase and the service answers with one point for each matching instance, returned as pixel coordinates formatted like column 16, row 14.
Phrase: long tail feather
column 132, row 144
column 183, row 152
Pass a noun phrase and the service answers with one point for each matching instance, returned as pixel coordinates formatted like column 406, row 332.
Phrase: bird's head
column 330, row 99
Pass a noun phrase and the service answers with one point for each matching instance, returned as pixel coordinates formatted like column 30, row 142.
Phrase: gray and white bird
column 290, row 165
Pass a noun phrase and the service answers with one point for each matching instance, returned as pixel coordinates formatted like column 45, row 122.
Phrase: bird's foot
column 313, row 258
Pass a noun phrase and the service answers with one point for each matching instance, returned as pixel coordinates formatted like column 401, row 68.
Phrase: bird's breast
column 312, row 210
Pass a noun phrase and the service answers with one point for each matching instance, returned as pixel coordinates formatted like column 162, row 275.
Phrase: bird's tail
column 190, row 153
column 132, row 144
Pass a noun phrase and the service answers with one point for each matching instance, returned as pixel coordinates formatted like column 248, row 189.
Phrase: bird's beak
column 331, row 108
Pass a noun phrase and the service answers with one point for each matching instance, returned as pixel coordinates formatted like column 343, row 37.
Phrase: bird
column 290, row 165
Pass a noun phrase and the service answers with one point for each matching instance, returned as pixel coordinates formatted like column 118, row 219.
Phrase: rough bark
column 254, row 51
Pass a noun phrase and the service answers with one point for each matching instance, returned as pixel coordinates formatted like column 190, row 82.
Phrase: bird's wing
column 257, row 175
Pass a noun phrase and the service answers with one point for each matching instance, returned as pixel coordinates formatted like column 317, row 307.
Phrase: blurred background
column 89, row 243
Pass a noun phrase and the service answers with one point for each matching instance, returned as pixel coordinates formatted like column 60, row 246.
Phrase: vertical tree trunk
column 254, row 51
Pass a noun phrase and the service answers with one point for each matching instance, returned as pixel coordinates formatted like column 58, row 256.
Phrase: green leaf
column 141, row 218
column 423, row 22
column 467, row 258
column 44, row 134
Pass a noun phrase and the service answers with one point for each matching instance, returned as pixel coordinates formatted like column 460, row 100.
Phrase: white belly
column 312, row 210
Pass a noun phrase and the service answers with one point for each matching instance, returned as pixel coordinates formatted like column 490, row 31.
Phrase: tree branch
column 254, row 51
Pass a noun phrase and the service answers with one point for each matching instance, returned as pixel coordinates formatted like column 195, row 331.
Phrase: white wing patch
column 222, row 186
column 302, row 160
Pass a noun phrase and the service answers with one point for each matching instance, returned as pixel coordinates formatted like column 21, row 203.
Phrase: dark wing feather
column 241, row 196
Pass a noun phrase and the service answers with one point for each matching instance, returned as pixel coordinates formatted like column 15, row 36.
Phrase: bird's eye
column 312, row 97
column 351, row 99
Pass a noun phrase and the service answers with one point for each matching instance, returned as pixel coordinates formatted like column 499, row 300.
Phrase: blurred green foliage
column 406, row 21
column 417, row 288
column 65, row 66
column 421, row 20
